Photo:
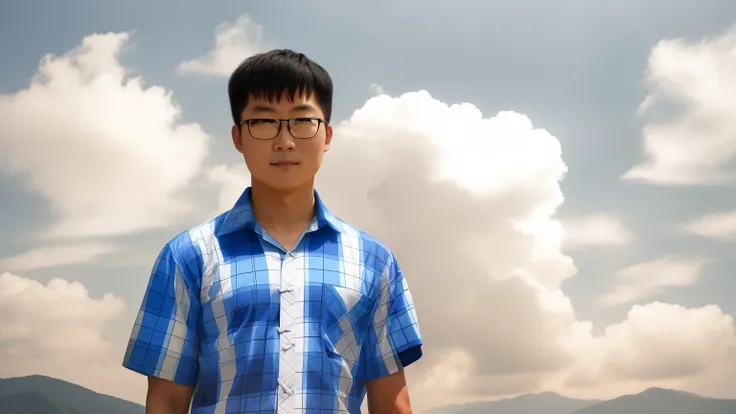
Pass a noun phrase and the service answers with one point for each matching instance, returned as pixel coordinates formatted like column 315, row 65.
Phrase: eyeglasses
column 269, row 128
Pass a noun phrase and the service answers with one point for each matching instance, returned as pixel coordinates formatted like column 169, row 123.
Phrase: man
column 276, row 305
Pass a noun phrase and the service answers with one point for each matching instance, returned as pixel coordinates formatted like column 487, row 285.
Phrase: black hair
column 271, row 74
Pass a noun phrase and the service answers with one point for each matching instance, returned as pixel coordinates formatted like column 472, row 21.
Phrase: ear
column 328, row 137
column 237, row 139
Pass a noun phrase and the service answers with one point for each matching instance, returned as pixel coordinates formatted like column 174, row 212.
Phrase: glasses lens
column 263, row 128
column 304, row 127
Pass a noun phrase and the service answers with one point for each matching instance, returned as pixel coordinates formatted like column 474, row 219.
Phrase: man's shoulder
column 187, row 244
column 369, row 244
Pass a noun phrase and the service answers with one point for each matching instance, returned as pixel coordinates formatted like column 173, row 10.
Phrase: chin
column 285, row 183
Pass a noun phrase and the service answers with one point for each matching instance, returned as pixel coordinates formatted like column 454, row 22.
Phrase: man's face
column 284, row 161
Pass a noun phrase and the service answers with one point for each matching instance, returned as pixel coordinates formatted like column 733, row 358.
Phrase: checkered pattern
column 258, row 329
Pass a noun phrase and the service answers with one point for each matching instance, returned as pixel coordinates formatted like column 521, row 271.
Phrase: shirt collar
column 241, row 216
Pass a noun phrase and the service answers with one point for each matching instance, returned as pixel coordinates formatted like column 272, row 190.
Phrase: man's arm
column 164, row 342
column 166, row 397
column 393, row 343
column 388, row 395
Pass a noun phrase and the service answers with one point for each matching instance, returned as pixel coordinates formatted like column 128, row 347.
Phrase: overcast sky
column 555, row 179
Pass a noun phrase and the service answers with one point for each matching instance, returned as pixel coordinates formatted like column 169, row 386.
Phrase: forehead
column 283, row 104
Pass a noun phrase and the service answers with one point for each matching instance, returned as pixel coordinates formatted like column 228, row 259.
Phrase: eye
column 304, row 121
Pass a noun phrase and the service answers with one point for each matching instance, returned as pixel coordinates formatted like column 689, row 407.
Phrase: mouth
column 284, row 163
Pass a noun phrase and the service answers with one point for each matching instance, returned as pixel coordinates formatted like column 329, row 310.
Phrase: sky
column 556, row 180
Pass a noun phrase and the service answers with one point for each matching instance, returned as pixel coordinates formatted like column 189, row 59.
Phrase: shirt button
column 285, row 388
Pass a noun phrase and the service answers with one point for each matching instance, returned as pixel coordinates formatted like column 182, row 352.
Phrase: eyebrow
column 298, row 108
column 302, row 108
column 262, row 108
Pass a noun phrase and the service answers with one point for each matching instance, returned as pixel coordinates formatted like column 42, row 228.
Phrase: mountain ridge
column 662, row 400
column 57, row 396
column 553, row 404
column 38, row 394
column 34, row 402
column 653, row 400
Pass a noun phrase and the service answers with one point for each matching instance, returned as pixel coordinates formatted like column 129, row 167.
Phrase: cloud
column 595, row 230
column 647, row 279
column 230, row 180
column 694, row 144
column 56, row 256
column 377, row 89
column 719, row 226
column 108, row 152
column 55, row 329
column 658, row 344
column 234, row 42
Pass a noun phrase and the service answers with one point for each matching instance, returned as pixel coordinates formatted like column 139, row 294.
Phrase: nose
column 284, row 141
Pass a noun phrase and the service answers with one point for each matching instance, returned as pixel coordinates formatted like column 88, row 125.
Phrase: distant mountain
column 661, row 401
column 544, row 403
column 37, row 394
column 651, row 401
column 44, row 395
column 33, row 402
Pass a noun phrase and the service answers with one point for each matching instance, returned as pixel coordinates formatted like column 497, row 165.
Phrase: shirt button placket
column 287, row 344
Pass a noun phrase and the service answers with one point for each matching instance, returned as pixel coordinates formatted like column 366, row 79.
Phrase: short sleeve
column 394, row 340
column 164, row 342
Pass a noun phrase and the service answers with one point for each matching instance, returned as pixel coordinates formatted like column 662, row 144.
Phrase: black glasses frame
column 289, row 125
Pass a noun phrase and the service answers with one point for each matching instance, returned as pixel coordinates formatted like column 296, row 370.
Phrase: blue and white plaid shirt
column 258, row 329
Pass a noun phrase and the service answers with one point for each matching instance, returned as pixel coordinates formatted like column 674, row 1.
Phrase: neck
column 283, row 210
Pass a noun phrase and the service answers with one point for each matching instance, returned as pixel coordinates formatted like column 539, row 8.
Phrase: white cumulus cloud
column 56, row 328
column 658, row 344
column 377, row 89
column 109, row 153
column 595, row 230
column 56, row 256
column 231, row 181
column 695, row 143
column 719, row 226
column 646, row 279
column 233, row 43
